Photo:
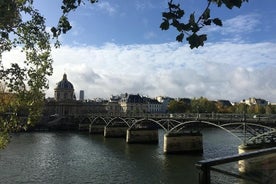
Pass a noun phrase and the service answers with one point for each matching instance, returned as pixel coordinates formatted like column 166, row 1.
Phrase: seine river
column 72, row 157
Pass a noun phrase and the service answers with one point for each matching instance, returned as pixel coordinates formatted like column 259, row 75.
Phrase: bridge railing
column 252, row 167
column 200, row 116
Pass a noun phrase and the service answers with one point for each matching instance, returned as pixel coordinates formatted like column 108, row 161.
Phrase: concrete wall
column 84, row 127
column 115, row 131
column 263, row 165
column 183, row 143
column 96, row 129
column 142, row 136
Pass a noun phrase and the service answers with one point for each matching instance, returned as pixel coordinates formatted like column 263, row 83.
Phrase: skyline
column 115, row 48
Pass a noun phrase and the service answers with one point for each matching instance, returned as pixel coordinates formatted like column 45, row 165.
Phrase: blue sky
column 117, row 47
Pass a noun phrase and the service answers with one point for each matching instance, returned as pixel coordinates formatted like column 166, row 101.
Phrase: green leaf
column 195, row 41
column 180, row 13
column 180, row 37
column 167, row 15
column 217, row 21
column 231, row 3
column 176, row 24
column 54, row 31
column 236, row 3
column 165, row 25
column 192, row 19
column 207, row 22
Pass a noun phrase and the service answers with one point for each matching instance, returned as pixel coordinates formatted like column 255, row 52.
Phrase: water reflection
column 82, row 158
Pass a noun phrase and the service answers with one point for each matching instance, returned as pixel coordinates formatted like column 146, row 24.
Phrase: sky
column 117, row 47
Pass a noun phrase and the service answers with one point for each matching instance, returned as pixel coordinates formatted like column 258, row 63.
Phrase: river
column 73, row 157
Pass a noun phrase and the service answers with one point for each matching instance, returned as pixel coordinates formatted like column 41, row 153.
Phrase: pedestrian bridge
column 182, row 129
column 183, row 134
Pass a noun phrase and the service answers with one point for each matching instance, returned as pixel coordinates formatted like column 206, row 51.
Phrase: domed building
column 65, row 104
column 64, row 90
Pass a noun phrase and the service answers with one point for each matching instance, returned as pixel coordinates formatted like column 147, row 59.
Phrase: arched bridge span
column 245, row 132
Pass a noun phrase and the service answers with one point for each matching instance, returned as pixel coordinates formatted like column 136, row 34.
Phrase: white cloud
column 107, row 7
column 142, row 5
column 150, row 35
column 225, row 70
column 236, row 28
column 241, row 24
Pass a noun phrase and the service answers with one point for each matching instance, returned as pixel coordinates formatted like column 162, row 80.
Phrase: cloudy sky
column 117, row 47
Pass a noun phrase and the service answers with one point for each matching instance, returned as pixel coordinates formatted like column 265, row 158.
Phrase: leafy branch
column 174, row 16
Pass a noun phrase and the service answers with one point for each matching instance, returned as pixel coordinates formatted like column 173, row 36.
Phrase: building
column 153, row 106
column 65, row 103
column 255, row 101
column 81, row 95
column 132, row 103
column 165, row 102
column 224, row 103
column 64, row 90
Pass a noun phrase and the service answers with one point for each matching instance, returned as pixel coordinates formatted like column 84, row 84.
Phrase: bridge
column 182, row 131
column 183, row 135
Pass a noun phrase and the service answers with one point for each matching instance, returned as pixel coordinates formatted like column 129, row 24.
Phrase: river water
column 73, row 157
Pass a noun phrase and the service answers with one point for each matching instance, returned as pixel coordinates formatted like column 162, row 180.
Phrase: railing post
column 204, row 174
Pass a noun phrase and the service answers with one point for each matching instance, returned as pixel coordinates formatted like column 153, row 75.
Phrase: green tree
column 241, row 108
column 26, row 82
column 178, row 107
column 268, row 109
column 202, row 105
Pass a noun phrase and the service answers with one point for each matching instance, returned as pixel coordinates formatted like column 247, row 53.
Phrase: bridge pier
column 183, row 143
column 265, row 163
column 148, row 136
column 96, row 129
column 116, row 131
column 84, row 127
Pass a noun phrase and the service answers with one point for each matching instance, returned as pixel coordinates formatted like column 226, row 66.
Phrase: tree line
column 203, row 105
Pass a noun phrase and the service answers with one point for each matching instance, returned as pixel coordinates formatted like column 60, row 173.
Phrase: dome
column 64, row 83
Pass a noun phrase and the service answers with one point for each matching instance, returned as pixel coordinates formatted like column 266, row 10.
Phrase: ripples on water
column 65, row 157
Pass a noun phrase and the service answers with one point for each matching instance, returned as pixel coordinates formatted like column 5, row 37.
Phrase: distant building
column 153, row 106
column 81, row 95
column 64, row 90
column 132, row 103
column 224, row 103
column 255, row 101
column 165, row 102
column 65, row 103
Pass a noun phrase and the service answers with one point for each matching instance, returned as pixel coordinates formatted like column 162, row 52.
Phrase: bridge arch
column 165, row 124
column 182, row 125
column 261, row 135
column 99, row 118
column 117, row 118
column 250, row 132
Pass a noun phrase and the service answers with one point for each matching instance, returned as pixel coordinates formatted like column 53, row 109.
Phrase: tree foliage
column 191, row 28
column 178, row 106
column 22, row 26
